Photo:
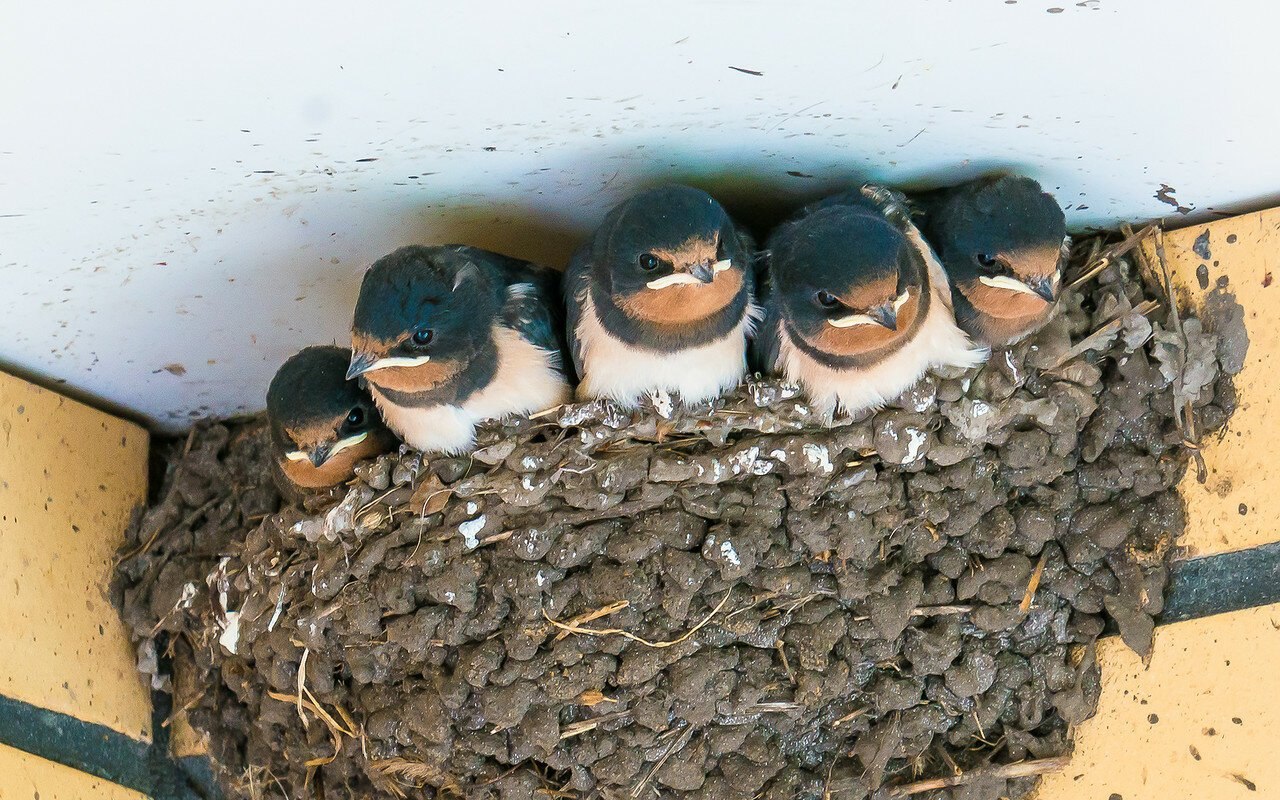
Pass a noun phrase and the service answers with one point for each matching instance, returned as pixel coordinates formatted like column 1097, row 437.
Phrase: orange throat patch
column 865, row 339
column 338, row 469
column 682, row 304
column 1003, row 303
column 421, row 378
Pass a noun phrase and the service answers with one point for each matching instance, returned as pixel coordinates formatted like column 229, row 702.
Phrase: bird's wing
column 762, row 292
column 766, row 347
column 896, row 208
column 532, row 309
column 855, row 198
column 576, row 282
column 762, row 278
column 754, row 268
column 891, row 203
column 938, row 279
column 531, row 306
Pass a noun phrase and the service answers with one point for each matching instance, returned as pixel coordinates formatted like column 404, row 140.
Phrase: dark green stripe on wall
column 105, row 753
column 85, row 746
column 1201, row 587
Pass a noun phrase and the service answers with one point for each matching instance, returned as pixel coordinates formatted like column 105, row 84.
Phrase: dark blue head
column 1003, row 241
column 669, row 256
column 423, row 314
column 315, row 413
column 847, row 281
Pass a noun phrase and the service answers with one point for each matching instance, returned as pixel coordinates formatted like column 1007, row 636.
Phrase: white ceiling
column 189, row 193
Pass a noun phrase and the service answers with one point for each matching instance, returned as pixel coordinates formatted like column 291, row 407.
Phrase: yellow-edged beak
column 363, row 362
column 1039, row 286
column 321, row 454
column 699, row 275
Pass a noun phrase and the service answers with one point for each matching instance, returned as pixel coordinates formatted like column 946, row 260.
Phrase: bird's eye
column 648, row 262
column 423, row 337
column 355, row 418
column 986, row 260
column 826, row 299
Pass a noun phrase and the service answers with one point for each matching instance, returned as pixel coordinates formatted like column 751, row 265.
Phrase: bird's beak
column 360, row 364
column 1044, row 286
column 886, row 316
column 350, row 441
column 1013, row 285
column 851, row 320
column 674, row 279
column 700, row 275
column 320, row 454
column 703, row 272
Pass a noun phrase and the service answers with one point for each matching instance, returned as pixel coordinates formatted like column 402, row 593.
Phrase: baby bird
column 858, row 307
column 451, row 335
column 661, row 299
column 1003, row 241
column 321, row 424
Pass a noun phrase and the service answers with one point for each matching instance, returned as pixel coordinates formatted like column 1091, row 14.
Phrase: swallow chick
column 321, row 423
column 1003, row 241
column 660, row 299
column 858, row 307
column 448, row 336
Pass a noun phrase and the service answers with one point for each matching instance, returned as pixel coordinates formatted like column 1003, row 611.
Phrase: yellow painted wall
column 1198, row 723
column 69, row 477
column 27, row 777
column 1201, row 721
column 1239, row 505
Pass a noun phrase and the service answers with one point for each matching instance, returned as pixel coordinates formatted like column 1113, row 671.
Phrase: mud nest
column 728, row 602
